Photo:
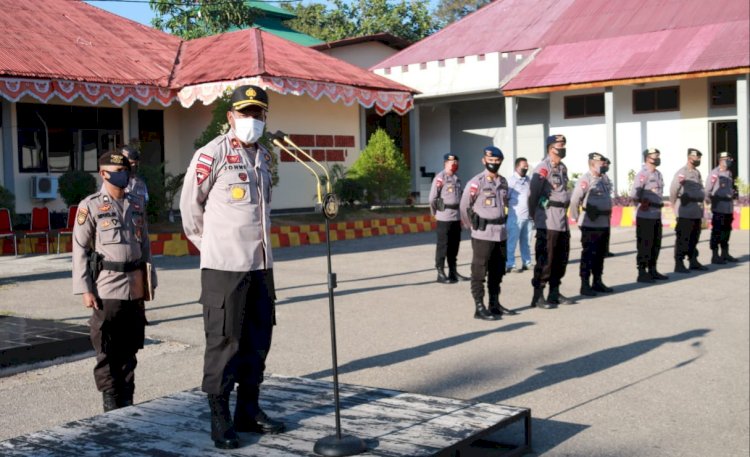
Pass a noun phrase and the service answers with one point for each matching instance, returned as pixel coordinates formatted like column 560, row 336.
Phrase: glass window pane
column 668, row 98
column 595, row 105
column 31, row 147
column 89, row 149
column 60, row 149
column 575, row 106
column 644, row 100
column 724, row 94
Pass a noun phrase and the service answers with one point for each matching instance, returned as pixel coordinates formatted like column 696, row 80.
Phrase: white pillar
column 743, row 128
column 414, row 146
column 8, row 152
column 511, row 143
column 609, row 119
column 133, row 131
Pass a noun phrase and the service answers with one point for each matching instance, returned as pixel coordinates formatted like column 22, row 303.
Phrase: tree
column 408, row 19
column 449, row 11
column 381, row 169
column 193, row 19
column 75, row 185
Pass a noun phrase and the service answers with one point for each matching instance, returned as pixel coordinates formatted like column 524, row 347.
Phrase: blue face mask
column 119, row 178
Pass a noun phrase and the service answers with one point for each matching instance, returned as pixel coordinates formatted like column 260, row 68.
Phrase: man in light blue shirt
column 519, row 225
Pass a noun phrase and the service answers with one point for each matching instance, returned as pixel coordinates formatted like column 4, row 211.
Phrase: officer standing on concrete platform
column 720, row 192
column 647, row 191
column 445, row 196
column 226, row 214
column 483, row 206
column 110, row 251
column 136, row 185
column 548, row 204
column 686, row 194
column 592, row 194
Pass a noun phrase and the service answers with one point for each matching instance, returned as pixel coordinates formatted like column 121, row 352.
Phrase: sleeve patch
column 584, row 184
column 439, row 182
column 714, row 178
column 206, row 160
column 543, row 173
column 201, row 173
column 681, row 177
column 643, row 178
column 473, row 188
column 82, row 215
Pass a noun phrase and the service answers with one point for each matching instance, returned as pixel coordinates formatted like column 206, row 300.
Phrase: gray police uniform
column 719, row 191
column 487, row 198
column 647, row 191
column 687, row 195
column 137, row 186
column 117, row 230
column 592, row 195
column 445, row 195
column 226, row 214
column 548, row 203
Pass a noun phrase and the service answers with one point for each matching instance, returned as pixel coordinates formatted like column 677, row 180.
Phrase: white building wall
column 363, row 55
column 435, row 136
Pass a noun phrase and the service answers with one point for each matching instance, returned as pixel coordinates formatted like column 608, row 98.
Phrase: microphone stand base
column 338, row 447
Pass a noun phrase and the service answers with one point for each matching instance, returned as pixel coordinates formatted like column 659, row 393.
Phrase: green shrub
column 75, row 185
column 8, row 200
column 381, row 170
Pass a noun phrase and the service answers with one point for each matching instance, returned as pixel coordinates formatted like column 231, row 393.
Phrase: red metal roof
column 76, row 41
column 256, row 53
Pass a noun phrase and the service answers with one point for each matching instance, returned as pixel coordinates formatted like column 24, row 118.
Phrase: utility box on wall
column 44, row 187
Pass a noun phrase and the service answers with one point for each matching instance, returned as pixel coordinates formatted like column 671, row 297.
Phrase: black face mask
column 696, row 163
column 561, row 152
column 603, row 169
column 729, row 163
column 119, row 178
column 492, row 167
column 523, row 171
column 656, row 162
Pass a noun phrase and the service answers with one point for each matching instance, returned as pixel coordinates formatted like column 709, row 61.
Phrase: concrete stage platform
column 391, row 422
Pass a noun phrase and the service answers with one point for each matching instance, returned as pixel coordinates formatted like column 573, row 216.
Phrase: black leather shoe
column 679, row 267
column 538, row 301
column 453, row 272
column 728, row 258
column 656, row 275
column 586, row 289
column 222, row 429
column 555, row 297
column 695, row 265
column 644, row 276
column 716, row 259
column 498, row 309
column 441, row 278
column 484, row 314
column 260, row 424
column 599, row 286
column 109, row 401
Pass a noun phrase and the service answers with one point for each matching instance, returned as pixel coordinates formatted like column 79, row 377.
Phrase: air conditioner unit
column 44, row 187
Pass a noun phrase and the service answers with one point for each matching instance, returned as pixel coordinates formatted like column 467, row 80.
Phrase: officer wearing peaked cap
column 686, row 194
column 720, row 192
column 445, row 195
column 548, row 203
column 225, row 205
column 647, row 191
column 136, row 185
column 483, row 208
column 591, row 194
column 110, row 252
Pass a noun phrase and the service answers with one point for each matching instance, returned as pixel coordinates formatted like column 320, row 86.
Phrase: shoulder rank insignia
column 82, row 214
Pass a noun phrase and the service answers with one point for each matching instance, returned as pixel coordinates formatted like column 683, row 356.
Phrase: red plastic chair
column 6, row 228
column 40, row 225
column 68, row 230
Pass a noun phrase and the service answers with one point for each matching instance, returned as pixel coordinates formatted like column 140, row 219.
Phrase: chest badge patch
column 238, row 193
column 235, row 158
column 105, row 223
column 243, row 176
column 105, row 207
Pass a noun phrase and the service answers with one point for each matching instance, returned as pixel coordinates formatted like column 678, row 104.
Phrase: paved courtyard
column 651, row 370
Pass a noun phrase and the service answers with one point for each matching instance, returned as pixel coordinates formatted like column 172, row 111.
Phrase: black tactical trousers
column 238, row 318
column 487, row 260
column 721, row 229
column 648, row 234
column 594, row 244
column 117, row 333
column 687, row 232
column 448, row 240
column 552, row 250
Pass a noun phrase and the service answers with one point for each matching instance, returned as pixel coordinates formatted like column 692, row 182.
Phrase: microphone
column 278, row 135
column 276, row 139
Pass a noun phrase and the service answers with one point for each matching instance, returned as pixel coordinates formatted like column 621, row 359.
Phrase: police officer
column 225, row 206
column 110, row 249
column 686, row 195
column 647, row 191
column 548, row 204
column 592, row 195
column 483, row 205
column 719, row 192
column 136, row 185
column 445, row 195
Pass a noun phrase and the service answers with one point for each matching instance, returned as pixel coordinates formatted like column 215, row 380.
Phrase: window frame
column 654, row 90
column 713, row 84
column 585, row 114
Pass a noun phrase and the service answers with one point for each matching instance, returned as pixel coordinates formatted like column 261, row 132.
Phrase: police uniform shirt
column 719, row 184
column 591, row 192
column 648, row 186
column 488, row 197
column 449, row 188
column 118, row 231
column 687, row 182
column 137, row 186
column 225, row 205
column 551, row 183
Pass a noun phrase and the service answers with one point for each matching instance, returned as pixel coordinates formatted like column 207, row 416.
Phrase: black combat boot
column 655, row 274
column 538, row 301
column 599, row 286
column 248, row 417
column 482, row 313
column 497, row 309
column 454, row 275
column 679, row 267
column 725, row 255
column 222, row 428
column 441, row 278
column 125, row 396
column 695, row 265
column 557, row 298
column 586, row 288
column 109, row 400
column 644, row 276
column 717, row 259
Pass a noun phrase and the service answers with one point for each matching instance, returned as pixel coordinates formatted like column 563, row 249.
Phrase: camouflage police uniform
column 720, row 193
column 445, row 195
column 116, row 230
column 592, row 195
column 686, row 194
column 226, row 213
column 647, row 191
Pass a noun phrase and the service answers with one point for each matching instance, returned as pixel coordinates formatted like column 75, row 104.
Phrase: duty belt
column 556, row 204
column 453, row 206
column 594, row 209
column 722, row 199
column 122, row 267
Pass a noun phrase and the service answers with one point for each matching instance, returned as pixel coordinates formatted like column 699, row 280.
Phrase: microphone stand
column 336, row 445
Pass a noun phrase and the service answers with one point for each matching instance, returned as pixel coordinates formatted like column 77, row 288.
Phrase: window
column 657, row 99
column 584, row 105
column 59, row 138
column 723, row 94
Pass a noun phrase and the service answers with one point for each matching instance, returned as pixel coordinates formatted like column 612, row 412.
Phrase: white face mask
column 248, row 130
